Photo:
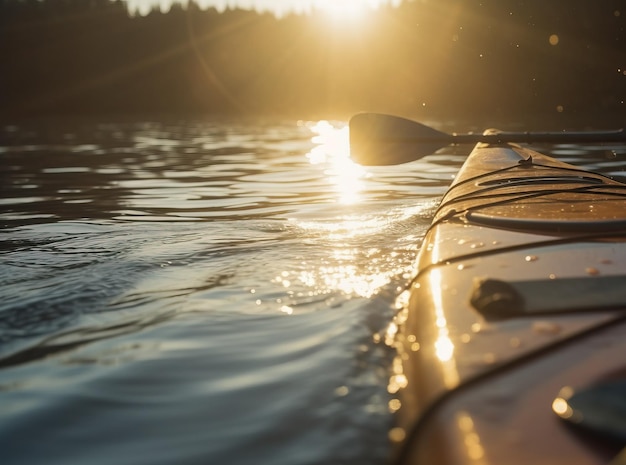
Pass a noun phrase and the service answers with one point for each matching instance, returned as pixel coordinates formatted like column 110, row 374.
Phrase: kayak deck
column 518, row 188
column 519, row 293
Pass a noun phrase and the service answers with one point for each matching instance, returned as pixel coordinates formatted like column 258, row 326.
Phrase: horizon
column 346, row 9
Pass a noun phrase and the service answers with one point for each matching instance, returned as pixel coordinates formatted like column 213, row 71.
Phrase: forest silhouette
column 487, row 59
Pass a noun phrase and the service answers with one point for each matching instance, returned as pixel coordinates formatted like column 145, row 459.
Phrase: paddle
column 378, row 139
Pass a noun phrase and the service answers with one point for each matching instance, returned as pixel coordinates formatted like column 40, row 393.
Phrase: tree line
column 440, row 58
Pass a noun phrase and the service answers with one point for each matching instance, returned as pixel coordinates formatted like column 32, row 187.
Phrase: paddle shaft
column 520, row 137
column 379, row 139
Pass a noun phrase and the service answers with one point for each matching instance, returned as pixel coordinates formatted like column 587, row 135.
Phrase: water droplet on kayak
column 397, row 434
column 560, row 407
column 461, row 242
column 465, row 338
column 546, row 327
column 463, row 266
column 476, row 328
column 515, row 342
column 591, row 271
column 477, row 245
column 552, row 276
column 531, row 258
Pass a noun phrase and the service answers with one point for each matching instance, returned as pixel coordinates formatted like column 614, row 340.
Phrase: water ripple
column 203, row 292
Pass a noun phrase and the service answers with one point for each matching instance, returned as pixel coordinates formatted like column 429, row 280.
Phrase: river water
column 200, row 292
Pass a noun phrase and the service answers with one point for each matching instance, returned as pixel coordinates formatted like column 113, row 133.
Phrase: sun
column 346, row 9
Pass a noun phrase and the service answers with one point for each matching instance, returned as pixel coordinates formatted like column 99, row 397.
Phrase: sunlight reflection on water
column 223, row 285
column 354, row 265
column 333, row 148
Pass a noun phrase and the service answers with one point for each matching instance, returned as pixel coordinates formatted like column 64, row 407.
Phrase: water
column 205, row 292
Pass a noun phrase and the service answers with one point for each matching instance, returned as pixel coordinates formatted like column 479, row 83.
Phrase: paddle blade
column 377, row 139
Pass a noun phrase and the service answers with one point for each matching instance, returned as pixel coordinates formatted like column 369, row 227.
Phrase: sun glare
column 345, row 9
column 332, row 150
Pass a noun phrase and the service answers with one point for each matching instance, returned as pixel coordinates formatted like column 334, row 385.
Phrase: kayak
column 511, row 348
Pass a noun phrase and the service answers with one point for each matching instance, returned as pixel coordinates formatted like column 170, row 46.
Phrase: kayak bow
column 519, row 302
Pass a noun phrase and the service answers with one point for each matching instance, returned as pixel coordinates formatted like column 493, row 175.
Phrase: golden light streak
column 333, row 150
column 444, row 347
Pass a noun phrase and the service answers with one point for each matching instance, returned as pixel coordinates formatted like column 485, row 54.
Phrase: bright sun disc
column 345, row 9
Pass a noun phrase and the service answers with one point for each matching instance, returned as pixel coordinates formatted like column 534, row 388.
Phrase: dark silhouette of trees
column 484, row 58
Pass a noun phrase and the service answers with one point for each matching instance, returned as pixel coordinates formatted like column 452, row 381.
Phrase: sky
column 338, row 8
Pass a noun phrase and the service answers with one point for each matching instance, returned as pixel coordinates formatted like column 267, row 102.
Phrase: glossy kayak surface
column 518, row 306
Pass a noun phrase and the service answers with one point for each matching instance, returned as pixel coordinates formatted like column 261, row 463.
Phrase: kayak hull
column 520, row 293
